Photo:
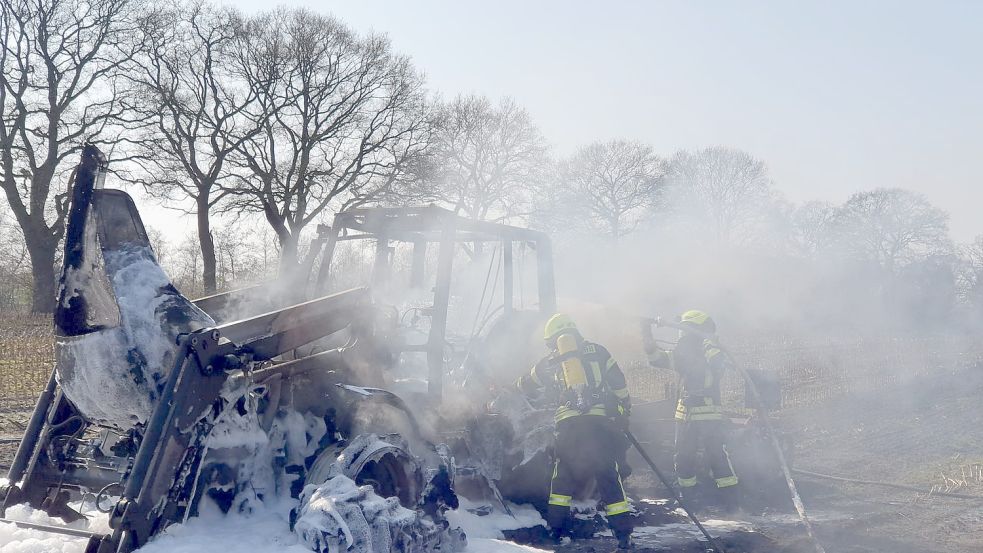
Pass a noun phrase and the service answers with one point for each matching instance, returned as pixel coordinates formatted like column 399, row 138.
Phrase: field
column 810, row 372
column 814, row 372
column 898, row 411
column 26, row 361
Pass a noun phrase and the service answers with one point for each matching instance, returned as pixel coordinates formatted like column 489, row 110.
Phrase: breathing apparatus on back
column 563, row 338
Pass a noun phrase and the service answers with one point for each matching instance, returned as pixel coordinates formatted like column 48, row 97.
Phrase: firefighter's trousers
column 708, row 434
column 588, row 446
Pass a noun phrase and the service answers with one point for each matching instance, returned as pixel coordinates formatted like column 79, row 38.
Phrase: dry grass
column 812, row 373
column 26, row 359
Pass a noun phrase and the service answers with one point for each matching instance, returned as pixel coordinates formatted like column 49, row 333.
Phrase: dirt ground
column 12, row 423
column 926, row 434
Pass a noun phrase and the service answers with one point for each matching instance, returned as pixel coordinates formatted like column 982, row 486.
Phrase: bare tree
column 488, row 157
column 892, row 227
column 195, row 102
column 925, row 292
column 970, row 274
column 159, row 243
column 242, row 256
column 616, row 184
column 60, row 87
column 726, row 192
column 15, row 270
column 342, row 120
column 184, row 266
column 813, row 228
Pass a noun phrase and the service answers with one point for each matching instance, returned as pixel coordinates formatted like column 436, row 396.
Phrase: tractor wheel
column 363, row 498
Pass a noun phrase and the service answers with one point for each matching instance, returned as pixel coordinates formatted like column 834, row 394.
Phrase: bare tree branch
column 489, row 157
column 195, row 104
column 341, row 120
column 891, row 228
column 721, row 192
column 614, row 184
column 60, row 86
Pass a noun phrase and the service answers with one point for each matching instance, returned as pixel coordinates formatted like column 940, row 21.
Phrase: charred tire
column 381, row 462
column 362, row 497
column 340, row 515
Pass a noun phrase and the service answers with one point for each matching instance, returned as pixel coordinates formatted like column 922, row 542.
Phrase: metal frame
column 422, row 226
column 159, row 465
column 159, row 488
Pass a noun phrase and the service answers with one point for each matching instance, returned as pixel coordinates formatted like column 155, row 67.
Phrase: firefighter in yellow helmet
column 699, row 417
column 591, row 417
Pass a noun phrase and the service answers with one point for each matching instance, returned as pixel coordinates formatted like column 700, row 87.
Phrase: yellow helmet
column 698, row 320
column 558, row 324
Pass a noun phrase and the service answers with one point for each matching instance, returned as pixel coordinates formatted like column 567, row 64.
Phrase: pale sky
column 835, row 96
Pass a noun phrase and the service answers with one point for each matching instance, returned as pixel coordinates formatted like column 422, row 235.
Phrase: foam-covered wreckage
column 158, row 403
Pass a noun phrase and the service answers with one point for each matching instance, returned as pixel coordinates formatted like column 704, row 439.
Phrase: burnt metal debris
column 154, row 397
column 329, row 383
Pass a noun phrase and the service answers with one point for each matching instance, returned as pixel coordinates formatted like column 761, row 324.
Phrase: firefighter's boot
column 625, row 543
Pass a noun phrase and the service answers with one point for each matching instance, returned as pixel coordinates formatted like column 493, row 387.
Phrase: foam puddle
column 266, row 530
column 20, row 540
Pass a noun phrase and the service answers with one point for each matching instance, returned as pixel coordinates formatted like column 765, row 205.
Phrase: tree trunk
column 42, row 251
column 207, row 244
column 288, row 254
column 615, row 229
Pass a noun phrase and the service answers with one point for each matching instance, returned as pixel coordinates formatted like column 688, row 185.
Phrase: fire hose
column 928, row 492
column 796, row 498
column 675, row 493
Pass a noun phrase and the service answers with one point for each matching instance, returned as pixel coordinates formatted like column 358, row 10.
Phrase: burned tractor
column 158, row 403
column 411, row 259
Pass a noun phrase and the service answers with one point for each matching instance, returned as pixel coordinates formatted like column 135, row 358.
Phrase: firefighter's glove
column 624, row 413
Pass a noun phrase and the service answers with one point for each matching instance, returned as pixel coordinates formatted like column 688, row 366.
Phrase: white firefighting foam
column 341, row 515
column 115, row 371
column 265, row 530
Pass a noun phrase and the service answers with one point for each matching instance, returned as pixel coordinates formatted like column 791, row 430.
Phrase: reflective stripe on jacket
column 700, row 366
column 609, row 389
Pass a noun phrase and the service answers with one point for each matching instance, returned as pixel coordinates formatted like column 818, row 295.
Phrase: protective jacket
column 701, row 366
column 605, row 392
column 592, row 407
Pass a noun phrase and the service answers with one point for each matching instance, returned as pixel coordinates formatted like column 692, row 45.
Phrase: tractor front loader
column 153, row 406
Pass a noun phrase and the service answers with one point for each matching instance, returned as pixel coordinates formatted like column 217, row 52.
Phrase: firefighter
column 591, row 419
column 699, row 417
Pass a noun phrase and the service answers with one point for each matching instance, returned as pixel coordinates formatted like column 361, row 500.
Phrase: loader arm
column 138, row 359
column 146, row 381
